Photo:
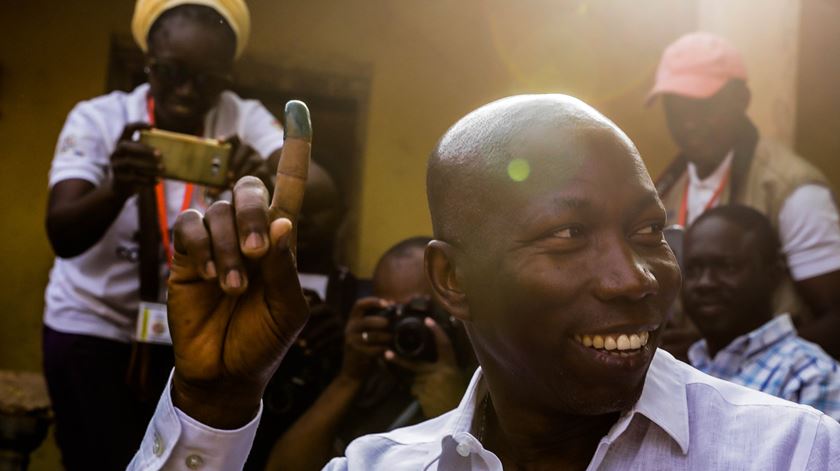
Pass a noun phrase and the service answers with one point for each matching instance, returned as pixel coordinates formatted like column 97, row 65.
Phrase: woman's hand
column 133, row 163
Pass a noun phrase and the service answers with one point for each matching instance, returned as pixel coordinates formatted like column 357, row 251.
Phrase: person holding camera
column 98, row 172
column 366, row 396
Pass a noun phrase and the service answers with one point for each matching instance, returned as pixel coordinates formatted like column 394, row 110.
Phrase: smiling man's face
column 567, row 277
column 727, row 280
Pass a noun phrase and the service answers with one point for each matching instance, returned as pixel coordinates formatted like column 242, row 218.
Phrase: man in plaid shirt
column 733, row 263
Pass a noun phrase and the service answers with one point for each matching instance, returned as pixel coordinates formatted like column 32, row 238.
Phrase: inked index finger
column 294, row 163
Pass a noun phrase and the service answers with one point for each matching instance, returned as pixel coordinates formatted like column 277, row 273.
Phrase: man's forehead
column 521, row 146
column 719, row 235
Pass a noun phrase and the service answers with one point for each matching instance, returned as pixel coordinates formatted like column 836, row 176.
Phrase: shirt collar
column 438, row 432
column 770, row 333
column 663, row 401
column 746, row 345
column 714, row 179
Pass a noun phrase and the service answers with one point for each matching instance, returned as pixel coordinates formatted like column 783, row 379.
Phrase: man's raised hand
column 235, row 303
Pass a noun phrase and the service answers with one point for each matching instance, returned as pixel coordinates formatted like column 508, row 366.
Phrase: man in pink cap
column 723, row 160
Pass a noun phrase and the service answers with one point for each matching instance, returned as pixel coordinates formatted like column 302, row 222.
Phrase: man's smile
column 625, row 342
column 628, row 348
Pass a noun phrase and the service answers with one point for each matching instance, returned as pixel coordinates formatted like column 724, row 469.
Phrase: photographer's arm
column 79, row 213
column 308, row 444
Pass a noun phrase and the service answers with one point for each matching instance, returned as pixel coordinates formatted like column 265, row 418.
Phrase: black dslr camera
column 412, row 339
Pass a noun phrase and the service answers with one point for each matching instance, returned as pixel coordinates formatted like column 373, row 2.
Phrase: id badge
column 152, row 325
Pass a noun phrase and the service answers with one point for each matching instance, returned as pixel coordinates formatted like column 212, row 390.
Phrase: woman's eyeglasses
column 176, row 74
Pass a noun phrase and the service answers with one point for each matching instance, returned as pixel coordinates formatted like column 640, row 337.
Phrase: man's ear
column 443, row 275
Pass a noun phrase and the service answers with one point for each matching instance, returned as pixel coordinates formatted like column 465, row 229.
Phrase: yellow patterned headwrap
column 234, row 11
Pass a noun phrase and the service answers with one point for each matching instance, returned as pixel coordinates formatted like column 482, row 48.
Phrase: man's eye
column 651, row 233
column 651, row 229
column 568, row 232
column 729, row 266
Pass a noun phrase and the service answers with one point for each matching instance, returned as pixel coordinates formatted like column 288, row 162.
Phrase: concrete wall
column 767, row 34
column 818, row 97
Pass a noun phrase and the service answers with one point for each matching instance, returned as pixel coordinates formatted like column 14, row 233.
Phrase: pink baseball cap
column 697, row 65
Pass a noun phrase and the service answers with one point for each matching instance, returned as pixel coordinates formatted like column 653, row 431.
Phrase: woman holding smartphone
column 92, row 299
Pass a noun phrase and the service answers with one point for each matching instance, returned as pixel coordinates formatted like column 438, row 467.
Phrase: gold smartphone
column 190, row 158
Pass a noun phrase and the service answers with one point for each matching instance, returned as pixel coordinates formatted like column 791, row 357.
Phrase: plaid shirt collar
column 745, row 346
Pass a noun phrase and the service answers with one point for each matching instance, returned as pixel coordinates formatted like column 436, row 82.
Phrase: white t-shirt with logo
column 97, row 293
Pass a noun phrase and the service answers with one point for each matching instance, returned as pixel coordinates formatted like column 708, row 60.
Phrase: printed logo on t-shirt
column 69, row 144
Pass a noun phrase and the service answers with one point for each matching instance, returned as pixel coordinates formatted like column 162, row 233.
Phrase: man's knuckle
column 217, row 209
column 186, row 218
column 249, row 183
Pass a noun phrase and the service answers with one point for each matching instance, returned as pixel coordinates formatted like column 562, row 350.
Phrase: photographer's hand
column 133, row 163
column 245, row 161
column 235, row 303
column 438, row 386
column 365, row 339
column 308, row 443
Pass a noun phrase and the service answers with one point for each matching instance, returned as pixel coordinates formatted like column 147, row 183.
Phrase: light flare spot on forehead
column 519, row 170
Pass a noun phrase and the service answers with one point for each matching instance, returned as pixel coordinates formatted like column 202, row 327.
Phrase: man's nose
column 704, row 279
column 186, row 88
column 625, row 275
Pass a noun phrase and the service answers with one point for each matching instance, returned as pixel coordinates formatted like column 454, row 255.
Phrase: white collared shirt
column 176, row 441
column 702, row 191
column 809, row 225
column 684, row 419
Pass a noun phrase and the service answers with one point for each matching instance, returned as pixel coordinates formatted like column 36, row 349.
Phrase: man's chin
column 604, row 398
column 180, row 120
column 614, row 401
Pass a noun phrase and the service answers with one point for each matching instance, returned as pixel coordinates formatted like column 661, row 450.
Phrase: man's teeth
column 615, row 342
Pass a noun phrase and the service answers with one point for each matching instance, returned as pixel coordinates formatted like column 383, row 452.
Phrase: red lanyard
column 160, row 193
column 709, row 204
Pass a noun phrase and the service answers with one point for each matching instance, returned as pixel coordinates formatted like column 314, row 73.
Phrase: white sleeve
column 336, row 464
column 810, row 232
column 175, row 441
column 81, row 151
column 259, row 128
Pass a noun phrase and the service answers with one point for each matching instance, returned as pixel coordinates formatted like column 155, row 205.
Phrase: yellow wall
column 432, row 62
column 52, row 54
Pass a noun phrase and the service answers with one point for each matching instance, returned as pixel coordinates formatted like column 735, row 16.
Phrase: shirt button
column 157, row 446
column 194, row 462
column 463, row 449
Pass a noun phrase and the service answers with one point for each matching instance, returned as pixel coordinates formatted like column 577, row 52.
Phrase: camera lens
column 411, row 338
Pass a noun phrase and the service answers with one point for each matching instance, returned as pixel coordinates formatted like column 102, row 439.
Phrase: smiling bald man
column 549, row 248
